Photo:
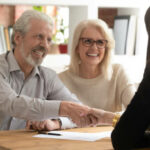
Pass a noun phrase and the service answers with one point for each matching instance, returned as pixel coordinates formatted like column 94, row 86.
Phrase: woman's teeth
column 92, row 54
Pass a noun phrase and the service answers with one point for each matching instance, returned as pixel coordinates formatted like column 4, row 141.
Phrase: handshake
column 81, row 115
column 85, row 116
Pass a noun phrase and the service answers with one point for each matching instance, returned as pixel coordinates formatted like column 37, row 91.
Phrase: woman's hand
column 103, row 117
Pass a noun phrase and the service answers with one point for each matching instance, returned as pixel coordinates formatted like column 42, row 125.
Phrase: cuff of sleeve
column 67, row 123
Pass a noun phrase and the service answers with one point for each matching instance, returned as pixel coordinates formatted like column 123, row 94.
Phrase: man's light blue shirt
column 37, row 97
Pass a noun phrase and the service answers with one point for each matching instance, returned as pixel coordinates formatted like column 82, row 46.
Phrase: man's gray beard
column 31, row 61
column 29, row 58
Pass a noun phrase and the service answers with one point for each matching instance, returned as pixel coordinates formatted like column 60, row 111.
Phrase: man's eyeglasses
column 89, row 42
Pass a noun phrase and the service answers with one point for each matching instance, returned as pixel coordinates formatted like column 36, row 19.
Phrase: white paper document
column 75, row 135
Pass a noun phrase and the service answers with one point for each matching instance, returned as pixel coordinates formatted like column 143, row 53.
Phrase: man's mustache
column 40, row 48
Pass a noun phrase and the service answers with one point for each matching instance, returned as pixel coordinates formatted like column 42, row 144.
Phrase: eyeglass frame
column 93, row 41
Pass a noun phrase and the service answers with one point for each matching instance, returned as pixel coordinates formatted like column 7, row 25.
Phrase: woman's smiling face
column 91, row 55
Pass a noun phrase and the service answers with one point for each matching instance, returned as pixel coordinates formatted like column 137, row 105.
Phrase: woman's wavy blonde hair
column 105, row 65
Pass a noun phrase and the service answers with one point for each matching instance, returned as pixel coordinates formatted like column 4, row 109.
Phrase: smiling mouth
column 93, row 55
column 39, row 52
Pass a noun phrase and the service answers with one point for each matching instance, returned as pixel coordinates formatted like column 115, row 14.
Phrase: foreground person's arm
column 130, row 130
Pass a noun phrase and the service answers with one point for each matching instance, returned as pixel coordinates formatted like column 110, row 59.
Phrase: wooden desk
column 23, row 140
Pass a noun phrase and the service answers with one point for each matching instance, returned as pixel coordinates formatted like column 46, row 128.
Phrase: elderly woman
column 91, row 75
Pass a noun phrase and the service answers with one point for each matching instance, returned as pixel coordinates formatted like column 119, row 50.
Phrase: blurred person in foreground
column 132, row 130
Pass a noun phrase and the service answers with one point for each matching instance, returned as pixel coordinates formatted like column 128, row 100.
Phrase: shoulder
column 3, row 59
column 4, row 65
column 121, row 73
column 67, row 77
column 47, row 73
column 63, row 74
column 118, row 68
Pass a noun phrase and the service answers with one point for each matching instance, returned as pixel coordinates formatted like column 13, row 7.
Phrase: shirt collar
column 35, row 71
column 14, row 66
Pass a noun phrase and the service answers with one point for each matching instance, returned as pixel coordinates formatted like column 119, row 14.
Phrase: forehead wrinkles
column 42, row 28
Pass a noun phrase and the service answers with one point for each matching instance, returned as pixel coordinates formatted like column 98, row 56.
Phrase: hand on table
column 47, row 125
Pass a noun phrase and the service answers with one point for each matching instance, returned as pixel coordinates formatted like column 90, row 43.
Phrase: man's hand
column 47, row 125
column 78, row 113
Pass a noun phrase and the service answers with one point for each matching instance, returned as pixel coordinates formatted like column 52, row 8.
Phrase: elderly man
column 29, row 91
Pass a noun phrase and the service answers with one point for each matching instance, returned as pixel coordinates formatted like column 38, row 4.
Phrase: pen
column 49, row 133
column 57, row 134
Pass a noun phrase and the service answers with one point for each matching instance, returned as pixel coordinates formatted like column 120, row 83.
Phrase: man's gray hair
column 23, row 23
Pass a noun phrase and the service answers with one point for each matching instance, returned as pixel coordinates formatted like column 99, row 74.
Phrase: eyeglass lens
column 89, row 42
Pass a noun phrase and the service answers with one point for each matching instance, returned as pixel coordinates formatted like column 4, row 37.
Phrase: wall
column 6, row 15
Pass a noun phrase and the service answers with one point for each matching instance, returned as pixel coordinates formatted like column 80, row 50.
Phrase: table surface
column 24, row 140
